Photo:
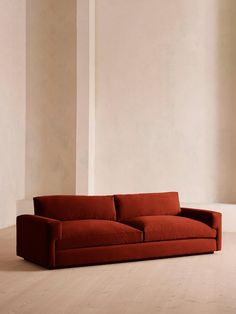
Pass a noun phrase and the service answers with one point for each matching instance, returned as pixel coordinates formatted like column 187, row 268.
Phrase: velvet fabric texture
column 162, row 228
column 209, row 217
column 86, row 233
column 36, row 237
column 69, row 230
column 147, row 204
column 74, row 207
column 133, row 252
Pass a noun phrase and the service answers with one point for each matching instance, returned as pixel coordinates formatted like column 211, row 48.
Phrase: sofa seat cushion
column 88, row 233
column 162, row 228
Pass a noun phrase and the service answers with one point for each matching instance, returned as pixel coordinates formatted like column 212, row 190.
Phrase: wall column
column 85, row 132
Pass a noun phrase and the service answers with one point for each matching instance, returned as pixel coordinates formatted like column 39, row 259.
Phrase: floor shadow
column 9, row 261
column 19, row 265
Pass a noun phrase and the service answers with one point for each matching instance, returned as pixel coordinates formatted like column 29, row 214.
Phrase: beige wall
column 226, row 152
column 85, row 116
column 165, row 99
column 12, row 107
column 51, row 97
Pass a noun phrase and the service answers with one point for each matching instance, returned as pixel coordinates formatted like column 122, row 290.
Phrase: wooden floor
column 202, row 284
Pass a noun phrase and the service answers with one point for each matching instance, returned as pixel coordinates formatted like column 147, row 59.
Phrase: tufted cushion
column 74, row 207
column 148, row 204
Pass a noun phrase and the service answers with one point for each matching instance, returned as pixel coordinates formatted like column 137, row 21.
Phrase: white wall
column 12, row 107
column 51, row 97
column 160, row 98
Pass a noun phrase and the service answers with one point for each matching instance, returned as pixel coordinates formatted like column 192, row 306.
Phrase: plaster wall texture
column 12, row 107
column 51, row 97
column 165, row 110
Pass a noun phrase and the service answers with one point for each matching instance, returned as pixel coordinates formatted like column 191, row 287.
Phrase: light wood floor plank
column 204, row 284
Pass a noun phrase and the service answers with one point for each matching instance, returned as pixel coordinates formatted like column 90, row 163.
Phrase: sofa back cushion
column 147, row 204
column 75, row 207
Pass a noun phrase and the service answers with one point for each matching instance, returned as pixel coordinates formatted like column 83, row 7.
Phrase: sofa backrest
column 146, row 204
column 75, row 207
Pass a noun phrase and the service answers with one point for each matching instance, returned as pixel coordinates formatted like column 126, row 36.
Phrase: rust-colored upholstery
column 36, row 237
column 133, row 252
column 166, row 227
column 209, row 217
column 147, row 204
column 74, row 207
column 73, row 230
column 87, row 233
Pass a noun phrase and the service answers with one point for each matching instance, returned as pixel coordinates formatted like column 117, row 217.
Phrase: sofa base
column 132, row 252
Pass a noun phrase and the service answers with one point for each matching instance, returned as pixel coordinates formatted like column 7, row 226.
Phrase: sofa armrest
column 211, row 218
column 36, row 238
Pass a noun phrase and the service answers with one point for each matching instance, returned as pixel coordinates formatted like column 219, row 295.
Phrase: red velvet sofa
column 70, row 230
